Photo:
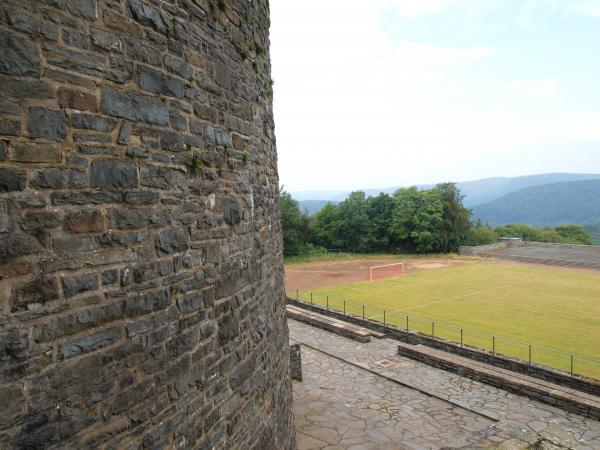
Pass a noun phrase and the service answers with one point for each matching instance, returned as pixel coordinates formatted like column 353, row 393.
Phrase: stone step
column 540, row 390
column 372, row 333
column 330, row 324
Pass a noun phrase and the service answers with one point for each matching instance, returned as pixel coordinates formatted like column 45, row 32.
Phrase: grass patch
column 289, row 260
column 554, row 308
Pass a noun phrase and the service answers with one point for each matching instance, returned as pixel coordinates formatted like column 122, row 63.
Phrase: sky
column 378, row 93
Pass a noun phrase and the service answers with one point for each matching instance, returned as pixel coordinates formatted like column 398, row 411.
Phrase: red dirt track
column 320, row 274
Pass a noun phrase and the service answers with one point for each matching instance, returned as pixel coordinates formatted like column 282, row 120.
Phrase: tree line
column 409, row 221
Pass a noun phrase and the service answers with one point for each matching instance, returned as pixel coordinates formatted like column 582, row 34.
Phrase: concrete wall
column 141, row 276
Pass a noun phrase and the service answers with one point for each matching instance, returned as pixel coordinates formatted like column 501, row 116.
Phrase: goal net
column 386, row 271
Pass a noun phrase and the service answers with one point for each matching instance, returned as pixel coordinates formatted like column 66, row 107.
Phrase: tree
column 325, row 227
column 574, row 234
column 295, row 226
column 518, row 230
column 561, row 234
column 430, row 221
column 480, row 234
column 345, row 226
column 417, row 220
column 379, row 212
column 455, row 217
column 353, row 222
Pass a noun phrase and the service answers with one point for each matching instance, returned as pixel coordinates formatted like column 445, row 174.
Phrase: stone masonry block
column 68, row 98
column 18, row 55
column 46, row 123
column 114, row 174
column 80, row 283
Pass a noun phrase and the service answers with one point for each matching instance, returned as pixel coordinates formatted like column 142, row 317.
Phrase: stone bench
column 332, row 325
column 543, row 391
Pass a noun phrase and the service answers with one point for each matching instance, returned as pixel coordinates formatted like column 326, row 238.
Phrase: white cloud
column 355, row 108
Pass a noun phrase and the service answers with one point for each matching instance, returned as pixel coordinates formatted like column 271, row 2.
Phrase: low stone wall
column 595, row 248
column 559, row 399
column 477, row 250
column 296, row 362
column 568, row 259
column 534, row 370
column 324, row 325
column 544, row 261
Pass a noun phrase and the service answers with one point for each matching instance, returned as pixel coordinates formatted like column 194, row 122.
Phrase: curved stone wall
column 141, row 277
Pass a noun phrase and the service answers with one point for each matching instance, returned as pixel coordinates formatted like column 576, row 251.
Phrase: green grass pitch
column 548, row 307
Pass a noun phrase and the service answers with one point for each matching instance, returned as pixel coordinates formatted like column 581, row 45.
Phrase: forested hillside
column 548, row 205
column 474, row 192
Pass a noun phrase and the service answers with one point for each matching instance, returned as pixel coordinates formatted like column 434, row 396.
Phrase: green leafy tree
column 295, row 225
column 549, row 235
column 326, row 227
column 562, row 234
column 574, row 234
column 455, row 217
column 430, row 221
column 353, row 222
column 379, row 212
column 417, row 220
column 594, row 231
column 480, row 234
column 518, row 230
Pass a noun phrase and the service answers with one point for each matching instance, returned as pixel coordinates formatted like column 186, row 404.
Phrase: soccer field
column 554, row 308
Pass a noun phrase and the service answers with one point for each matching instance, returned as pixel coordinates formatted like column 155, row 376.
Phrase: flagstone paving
column 365, row 396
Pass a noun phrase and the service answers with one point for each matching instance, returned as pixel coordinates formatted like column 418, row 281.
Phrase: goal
column 386, row 271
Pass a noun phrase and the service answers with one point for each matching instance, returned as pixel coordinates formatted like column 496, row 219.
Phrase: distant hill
column 312, row 206
column 547, row 205
column 488, row 189
column 476, row 192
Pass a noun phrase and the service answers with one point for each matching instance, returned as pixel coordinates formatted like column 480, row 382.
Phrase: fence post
column 344, row 307
column 529, row 355
column 311, row 299
column 461, row 338
column 363, row 312
column 433, row 329
column 494, row 345
column 571, row 366
column 407, row 324
column 384, row 318
column 297, row 295
column 328, row 303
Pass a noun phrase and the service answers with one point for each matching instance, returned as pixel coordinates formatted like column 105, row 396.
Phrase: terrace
column 365, row 395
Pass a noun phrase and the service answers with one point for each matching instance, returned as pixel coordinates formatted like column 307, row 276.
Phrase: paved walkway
column 346, row 400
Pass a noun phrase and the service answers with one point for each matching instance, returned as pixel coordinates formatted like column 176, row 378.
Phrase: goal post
column 386, row 271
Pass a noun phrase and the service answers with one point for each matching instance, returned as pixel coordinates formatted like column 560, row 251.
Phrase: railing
column 527, row 352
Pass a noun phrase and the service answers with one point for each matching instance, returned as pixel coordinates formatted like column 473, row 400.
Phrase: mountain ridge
column 576, row 202
column 476, row 192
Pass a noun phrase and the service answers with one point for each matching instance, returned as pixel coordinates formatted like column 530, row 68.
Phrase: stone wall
column 480, row 249
column 296, row 362
column 141, row 275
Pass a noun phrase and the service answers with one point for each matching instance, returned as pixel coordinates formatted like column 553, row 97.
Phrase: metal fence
column 527, row 352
